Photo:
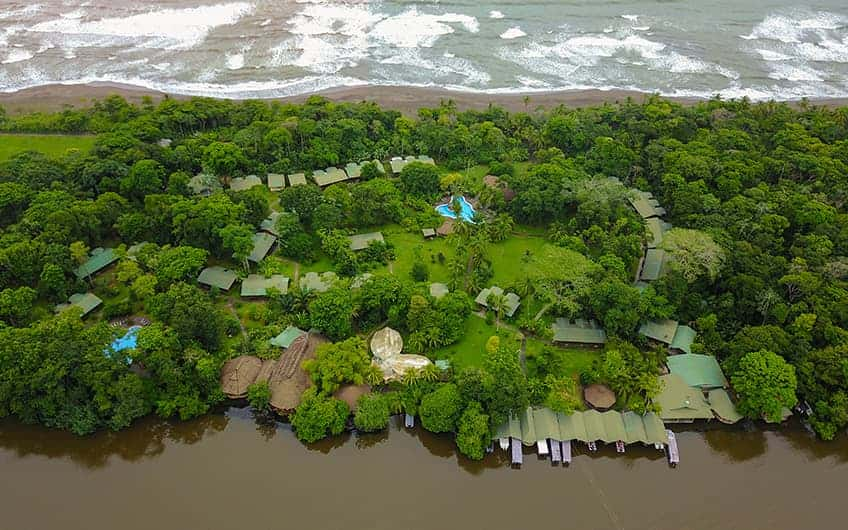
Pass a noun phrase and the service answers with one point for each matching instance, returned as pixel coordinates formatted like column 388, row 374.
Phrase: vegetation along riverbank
column 486, row 272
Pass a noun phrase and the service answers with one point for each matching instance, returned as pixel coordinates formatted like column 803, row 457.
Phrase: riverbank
column 55, row 97
column 218, row 472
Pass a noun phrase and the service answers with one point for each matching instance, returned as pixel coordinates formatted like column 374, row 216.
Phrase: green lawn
column 49, row 144
column 508, row 257
column 410, row 247
column 469, row 350
column 578, row 360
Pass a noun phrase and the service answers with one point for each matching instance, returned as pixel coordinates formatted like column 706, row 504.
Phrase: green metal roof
column 536, row 424
column 297, row 179
column 581, row 332
column 217, row 277
column 258, row 284
column 645, row 204
column 380, row 167
column 285, row 339
column 331, row 175
column 397, row 164
column 722, row 405
column 683, row 339
column 681, row 402
column 100, row 259
column 262, row 243
column 702, row 371
column 512, row 299
column 86, row 302
column 270, row 224
column 426, row 159
column 652, row 267
column 242, row 184
column 276, row 181
column 657, row 228
column 353, row 170
column 361, row 241
column 312, row 281
column 659, row 330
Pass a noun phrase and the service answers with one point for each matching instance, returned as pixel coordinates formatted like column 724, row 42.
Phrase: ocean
column 762, row 49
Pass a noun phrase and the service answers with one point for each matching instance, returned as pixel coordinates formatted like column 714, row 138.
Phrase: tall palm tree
column 497, row 302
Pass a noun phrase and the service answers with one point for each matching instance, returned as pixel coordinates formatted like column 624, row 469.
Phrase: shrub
column 318, row 417
column 372, row 413
column 259, row 396
column 440, row 409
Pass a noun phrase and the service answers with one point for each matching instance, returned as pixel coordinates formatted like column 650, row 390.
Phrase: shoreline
column 406, row 99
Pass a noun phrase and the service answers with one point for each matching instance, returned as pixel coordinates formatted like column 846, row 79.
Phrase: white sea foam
column 17, row 14
column 788, row 72
column 174, row 29
column 631, row 18
column 235, row 61
column 770, row 55
column 266, row 22
column 512, row 33
column 495, row 14
column 412, row 29
column 641, row 28
column 18, row 55
column 796, row 26
column 827, row 50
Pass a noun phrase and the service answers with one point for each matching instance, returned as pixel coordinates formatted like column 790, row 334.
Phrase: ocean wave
column 175, row 29
column 512, row 33
column 495, row 14
column 795, row 27
column 788, row 72
column 21, row 13
column 412, row 29
column 17, row 56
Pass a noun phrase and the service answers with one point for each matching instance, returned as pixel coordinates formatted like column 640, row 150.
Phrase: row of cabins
column 205, row 184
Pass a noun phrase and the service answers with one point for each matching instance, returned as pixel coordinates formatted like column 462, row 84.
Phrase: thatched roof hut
column 599, row 396
column 288, row 379
column 385, row 343
column 238, row 374
column 350, row 394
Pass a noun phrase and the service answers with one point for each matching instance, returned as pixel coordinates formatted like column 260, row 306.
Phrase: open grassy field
column 49, row 144
column 469, row 350
column 577, row 360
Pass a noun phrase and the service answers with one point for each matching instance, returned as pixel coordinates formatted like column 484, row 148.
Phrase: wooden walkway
column 673, row 453
column 556, row 457
column 517, row 457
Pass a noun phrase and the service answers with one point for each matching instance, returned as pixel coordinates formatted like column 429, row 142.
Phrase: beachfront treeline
column 759, row 269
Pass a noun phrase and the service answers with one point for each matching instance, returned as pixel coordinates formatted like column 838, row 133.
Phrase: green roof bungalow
column 683, row 339
column 258, row 285
column 380, row 167
column 99, row 259
column 512, row 299
column 681, row 403
column 243, row 184
column 86, row 302
column 276, row 181
column 312, row 281
column 262, row 243
column 296, row 179
column 270, row 224
column 217, row 277
column 285, row 339
column 353, row 170
column 319, row 176
column 646, row 205
column 723, row 406
column 653, row 265
column 424, row 159
column 329, row 176
column 659, row 330
column 657, row 229
column 581, row 332
column 361, row 241
column 397, row 163
column 701, row 371
column 204, row 184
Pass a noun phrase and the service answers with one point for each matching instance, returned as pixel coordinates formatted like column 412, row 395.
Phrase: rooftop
column 99, row 259
column 659, row 330
column 722, row 406
column 702, row 371
column 512, row 299
column 262, row 243
column 217, row 277
column 242, row 184
column 681, row 402
column 276, row 181
column 258, row 284
column 285, row 339
column 204, row 184
column 657, row 228
column 353, row 170
column 270, row 224
column 646, row 205
column 652, row 267
column 361, row 241
column 581, row 332
column 297, row 179
column 331, row 175
column 312, row 281
column 86, row 302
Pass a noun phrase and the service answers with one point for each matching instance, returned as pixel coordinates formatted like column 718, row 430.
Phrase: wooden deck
column 673, row 453
column 517, row 457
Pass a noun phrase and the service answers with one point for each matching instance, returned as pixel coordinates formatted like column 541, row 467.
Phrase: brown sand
column 405, row 99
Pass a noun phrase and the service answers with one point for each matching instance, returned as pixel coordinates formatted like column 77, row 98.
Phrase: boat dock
column 555, row 454
column 673, row 453
column 517, row 457
column 566, row 452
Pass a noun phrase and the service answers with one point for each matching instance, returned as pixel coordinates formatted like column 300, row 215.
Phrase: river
column 225, row 471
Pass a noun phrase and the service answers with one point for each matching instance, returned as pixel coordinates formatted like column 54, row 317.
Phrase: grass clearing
column 509, row 258
column 49, row 144
column 577, row 360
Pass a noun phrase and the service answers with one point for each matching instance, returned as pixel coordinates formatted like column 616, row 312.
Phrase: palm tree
column 497, row 302
column 430, row 373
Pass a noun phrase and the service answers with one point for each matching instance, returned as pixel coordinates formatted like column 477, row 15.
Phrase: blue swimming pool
column 127, row 342
column 466, row 210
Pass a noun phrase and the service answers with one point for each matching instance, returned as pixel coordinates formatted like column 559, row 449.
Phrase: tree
column 419, row 272
column 372, row 413
column 239, row 239
column 318, row 416
column 223, row 159
column 440, row 409
column 506, row 390
column 190, row 313
column 259, row 396
column 16, row 304
column 144, row 177
column 176, row 264
column 420, row 179
column 332, row 312
column 473, row 435
column 693, row 253
column 339, row 363
column 765, row 384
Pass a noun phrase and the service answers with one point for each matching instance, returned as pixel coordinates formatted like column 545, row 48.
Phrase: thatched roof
column 385, row 343
column 288, row 379
column 350, row 394
column 599, row 396
column 238, row 374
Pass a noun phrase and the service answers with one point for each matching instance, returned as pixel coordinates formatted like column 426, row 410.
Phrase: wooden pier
column 673, row 453
column 517, row 457
column 556, row 457
column 409, row 421
column 542, row 447
column 566, row 452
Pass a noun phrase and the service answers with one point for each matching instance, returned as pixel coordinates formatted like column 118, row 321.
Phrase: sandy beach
column 55, row 97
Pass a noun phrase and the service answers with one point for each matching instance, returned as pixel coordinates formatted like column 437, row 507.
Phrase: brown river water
column 225, row 471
